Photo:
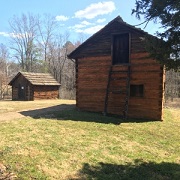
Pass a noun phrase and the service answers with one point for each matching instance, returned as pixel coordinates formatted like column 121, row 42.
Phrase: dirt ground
column 32, row 108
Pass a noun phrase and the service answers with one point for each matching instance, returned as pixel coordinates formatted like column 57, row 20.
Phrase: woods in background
column 37, row 45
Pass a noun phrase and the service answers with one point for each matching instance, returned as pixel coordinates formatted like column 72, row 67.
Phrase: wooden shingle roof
column 37, row 78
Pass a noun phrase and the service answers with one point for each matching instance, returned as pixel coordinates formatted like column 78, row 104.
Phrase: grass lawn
column 11, row 106
column 81, row 145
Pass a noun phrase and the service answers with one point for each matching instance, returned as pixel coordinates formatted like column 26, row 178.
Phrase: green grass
column 82, row 145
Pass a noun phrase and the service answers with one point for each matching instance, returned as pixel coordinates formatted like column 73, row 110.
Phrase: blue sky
column 74, row 16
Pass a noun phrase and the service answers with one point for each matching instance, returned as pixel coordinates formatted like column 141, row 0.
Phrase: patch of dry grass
column 11, row 106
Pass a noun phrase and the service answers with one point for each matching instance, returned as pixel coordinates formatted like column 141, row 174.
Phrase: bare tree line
column 36, row 45
column 172, row 85
column 7, row 68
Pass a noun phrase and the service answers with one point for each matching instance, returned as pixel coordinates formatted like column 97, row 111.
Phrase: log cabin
column 34, row 86
column 115, row 74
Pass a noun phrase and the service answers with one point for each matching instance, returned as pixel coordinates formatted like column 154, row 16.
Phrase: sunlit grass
column 82, row 145
column 11, row 106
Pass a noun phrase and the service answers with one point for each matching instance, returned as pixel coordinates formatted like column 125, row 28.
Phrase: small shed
column 115, row 74
column 33, row 86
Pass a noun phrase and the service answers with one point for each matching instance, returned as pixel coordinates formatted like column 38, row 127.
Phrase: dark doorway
column 120, row 49
column 21, row 92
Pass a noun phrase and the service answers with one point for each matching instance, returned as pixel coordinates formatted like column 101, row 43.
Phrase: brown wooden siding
column 33, row 92
column 20, row 82
column 14, row 93
column 92, row 80
column 46, row 92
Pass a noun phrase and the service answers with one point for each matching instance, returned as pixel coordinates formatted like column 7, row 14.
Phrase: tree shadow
column 69, row 112
column 138, row 170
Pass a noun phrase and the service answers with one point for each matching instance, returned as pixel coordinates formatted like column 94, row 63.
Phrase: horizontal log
column 154, row 115
column 93, row 70
column 91, row 106
column 157, row 84
column 146, row 76
column 147, row 67
column 155, row 94
column 134, row 100
column 139, row 55
column 92, row 90
column 144, row 62
column 99, row 100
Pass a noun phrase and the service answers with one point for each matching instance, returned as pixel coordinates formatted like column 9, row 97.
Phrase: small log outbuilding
column 115, row 74
column 33, row 86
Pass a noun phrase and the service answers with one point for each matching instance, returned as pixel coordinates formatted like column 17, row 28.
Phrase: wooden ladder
column 118, row 91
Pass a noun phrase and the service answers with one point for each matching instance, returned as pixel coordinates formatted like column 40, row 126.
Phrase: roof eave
column 14, row 78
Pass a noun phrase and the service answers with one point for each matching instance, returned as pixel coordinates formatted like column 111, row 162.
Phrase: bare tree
column 61, row 67
column 4, row 70
column 172, row 85
column 47, row 27
column 58, row 55
column 25, row 29
column 39, row 48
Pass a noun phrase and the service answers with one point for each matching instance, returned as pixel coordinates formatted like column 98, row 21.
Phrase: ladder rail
column 128, row 94
column 107, row 91
column 126, row 91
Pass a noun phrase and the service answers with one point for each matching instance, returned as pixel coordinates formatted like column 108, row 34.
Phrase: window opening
column 137, row 90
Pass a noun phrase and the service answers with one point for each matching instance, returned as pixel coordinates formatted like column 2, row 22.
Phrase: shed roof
column 37, row 78
column 119, row 20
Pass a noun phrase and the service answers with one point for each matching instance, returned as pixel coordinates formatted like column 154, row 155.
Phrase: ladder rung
column 119, row 71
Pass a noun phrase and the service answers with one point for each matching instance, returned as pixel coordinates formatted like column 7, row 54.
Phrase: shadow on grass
column 138, row 170
column 69, row 112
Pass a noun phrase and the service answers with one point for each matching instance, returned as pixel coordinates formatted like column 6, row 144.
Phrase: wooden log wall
column 33, row 92
column 148, row 72
column 93, row 62
column 14, row 93
column 92, row 81
column 46, row 92
column 20, row 81
column 29, row 92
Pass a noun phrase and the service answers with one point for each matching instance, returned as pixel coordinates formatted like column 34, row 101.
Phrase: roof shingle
column 38, row 78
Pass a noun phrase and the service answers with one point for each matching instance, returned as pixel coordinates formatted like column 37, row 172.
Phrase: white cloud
column 101, row 20
column 62, row 25
column 61, row 18
column 14, row 35
column 78, row 26
column 90, row 30
column 86, row 23
column 5, row 34
column 93, row 29
column 81, row 25
column 96, row 9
